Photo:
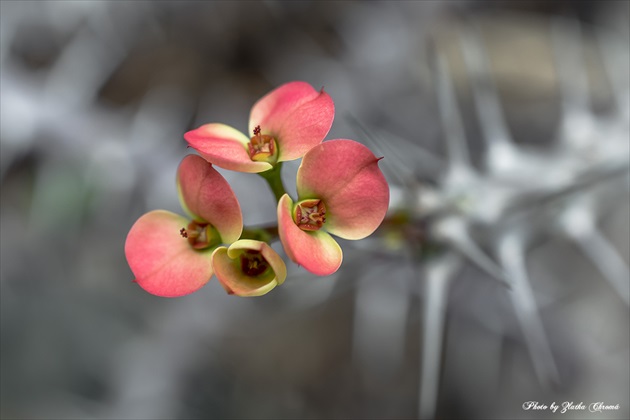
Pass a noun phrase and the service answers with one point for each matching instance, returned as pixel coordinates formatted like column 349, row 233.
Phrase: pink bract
column 295, row 115
column 206, row 196
column 345, row 176
column 316, row 251
column 163, row 261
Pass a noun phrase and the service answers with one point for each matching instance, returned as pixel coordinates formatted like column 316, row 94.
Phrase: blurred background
column 499, row 277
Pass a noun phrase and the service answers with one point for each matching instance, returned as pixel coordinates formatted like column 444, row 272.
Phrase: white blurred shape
column 578, row 223
column 456, row 145
column 511, row 252
column 437, row 278
column 503, row 158
column 18, row 114
column 577, row 126
column 79, row 72
column 454, row 231
column 65, row 15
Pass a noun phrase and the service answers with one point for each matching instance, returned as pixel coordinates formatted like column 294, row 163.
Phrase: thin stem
column 273, row 178
column 264, row 234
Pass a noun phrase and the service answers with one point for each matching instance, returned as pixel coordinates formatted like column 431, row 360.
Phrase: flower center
column 200, row 235
column 253, row 263
column 262, row 147
column 310, row 214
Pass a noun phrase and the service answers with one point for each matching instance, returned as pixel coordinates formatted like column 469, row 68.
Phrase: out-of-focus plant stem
column 273, row 178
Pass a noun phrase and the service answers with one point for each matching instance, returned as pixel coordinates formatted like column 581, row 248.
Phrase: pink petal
column 207, row 196
column 227, row 266
column 316, row 251
column 346, row 176
column 296, row 115
column 162, row 261
column 225, row 147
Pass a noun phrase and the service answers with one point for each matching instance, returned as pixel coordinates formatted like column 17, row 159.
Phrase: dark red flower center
column 262, row 147
column 200, row 235
column 253, row 263
column 310, row 214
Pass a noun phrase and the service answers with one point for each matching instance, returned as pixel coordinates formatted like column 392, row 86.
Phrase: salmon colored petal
column 345, row 175
column 162, row 261
column 234, row 281
column 316, row 251
column 296, row 115
column 225, row 147
column 207, row 196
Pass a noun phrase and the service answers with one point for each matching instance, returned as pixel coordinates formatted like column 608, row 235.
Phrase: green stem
column 264, row 234
column 273, row 178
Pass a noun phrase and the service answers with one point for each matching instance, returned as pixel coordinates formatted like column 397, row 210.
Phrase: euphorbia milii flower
column 248, row 268
column 283, row 125
column 342, row 191
column 171, row 255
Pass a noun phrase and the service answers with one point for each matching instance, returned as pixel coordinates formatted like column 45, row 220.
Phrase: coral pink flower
column 342, row 191
column 284, row 125
column 248, row 268
column 170, row 255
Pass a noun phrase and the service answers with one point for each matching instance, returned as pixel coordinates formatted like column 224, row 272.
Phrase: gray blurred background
column 504, row 127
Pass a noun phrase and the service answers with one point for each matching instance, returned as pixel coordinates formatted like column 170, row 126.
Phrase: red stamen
column 262, row 147
column 199, row 235
column 310, row 215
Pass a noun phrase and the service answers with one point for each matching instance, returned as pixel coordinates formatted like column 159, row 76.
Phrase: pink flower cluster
column 340, row 191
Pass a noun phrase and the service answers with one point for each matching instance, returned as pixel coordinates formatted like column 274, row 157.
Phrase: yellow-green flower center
column 200, row 235
column 253, row 264
column 310, row 214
